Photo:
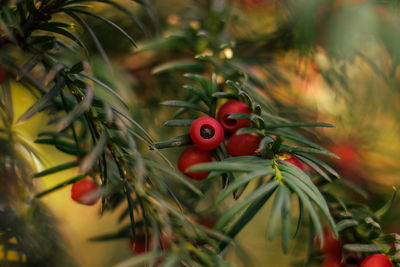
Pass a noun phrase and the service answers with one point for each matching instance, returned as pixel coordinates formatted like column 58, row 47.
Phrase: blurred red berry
column 140, row 245
column 376, row 260
column 208, row 222
column 258, row 2
column 295, row 161
column 255, row 1
column 232, row 107
column 332, row 261
column 346, row 152
column 191, row 156
column 81, row 191
column 331, row 246
column 2, row 74
column 243, row 144
column 349, row 162
column 206, row 133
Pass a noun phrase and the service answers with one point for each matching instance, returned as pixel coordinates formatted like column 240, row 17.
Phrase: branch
column 42, row 14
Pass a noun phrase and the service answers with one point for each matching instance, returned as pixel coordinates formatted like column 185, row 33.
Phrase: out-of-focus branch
column 43, row 13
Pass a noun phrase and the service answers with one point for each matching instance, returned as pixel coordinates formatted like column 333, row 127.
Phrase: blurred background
column 331, row 61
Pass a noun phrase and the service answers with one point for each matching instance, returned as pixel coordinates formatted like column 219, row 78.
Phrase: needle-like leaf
column 93, row 155
column 43, row 102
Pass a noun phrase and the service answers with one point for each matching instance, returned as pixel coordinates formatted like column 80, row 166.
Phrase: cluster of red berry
column 207, row 133
column 332, row 250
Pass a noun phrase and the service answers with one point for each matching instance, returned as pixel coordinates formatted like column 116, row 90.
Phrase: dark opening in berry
column 230, row 122
column 229, row 108
column 206, row 132
column 352, row 261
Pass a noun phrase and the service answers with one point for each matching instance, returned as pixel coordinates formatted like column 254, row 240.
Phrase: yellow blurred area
column 76, row 222
column 12, row 255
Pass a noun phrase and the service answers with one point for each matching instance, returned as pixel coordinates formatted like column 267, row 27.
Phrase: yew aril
column 243, row 144
column 332, row 246
column 206, row 133
column 376, row 260
column 229, row 108
column 191, row 156
column 295, row 161
column 139, row 246
column 82, row 190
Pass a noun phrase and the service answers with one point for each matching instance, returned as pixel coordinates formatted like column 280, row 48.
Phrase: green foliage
column 113, row 146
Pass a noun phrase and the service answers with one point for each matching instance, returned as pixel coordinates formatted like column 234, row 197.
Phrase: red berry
column 295, row 161
column 257, row 3
column 346, row 152
column 349, row 161
column 140, row 245
column 206, row 133
column 332, row 261
column 243, row 144
column 331, row 246
column 82, row 190
column 376, row 260
column 191, row 156
column 208, row 222
column 232, row 107
column 2, row 74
